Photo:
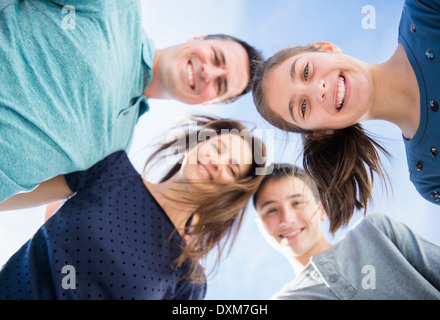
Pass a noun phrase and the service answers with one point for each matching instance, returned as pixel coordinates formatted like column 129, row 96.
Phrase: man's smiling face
column 203, row 71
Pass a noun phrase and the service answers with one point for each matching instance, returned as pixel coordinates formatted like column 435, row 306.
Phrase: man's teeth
column 291, row 234
column 190, row 76
column 341, row 91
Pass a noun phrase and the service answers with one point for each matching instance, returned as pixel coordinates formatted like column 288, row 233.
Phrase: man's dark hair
column 255, row 59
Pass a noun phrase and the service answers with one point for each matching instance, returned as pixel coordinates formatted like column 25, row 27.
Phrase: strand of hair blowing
column 338, row 163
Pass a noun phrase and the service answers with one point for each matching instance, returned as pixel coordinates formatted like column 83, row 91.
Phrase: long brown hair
column 342, row 164
column 219, row 213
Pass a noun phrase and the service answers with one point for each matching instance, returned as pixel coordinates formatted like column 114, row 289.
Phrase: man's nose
column 210, row 71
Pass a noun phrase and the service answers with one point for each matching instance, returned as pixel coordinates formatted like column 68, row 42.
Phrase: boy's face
column 290, row 215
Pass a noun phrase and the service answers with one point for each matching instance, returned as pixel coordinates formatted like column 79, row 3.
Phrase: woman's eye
column 306, row 72
column 303, row 108
column 216, row 148
column 232, row 171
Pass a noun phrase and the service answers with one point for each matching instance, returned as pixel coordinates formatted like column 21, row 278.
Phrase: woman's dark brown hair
column 219, row 213
column 342, row 164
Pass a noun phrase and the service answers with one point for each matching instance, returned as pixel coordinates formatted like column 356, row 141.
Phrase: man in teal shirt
column 75, row 77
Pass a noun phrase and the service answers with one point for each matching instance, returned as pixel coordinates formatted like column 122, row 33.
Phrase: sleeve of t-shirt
column 82, row 180
column 420, row 253
column 95, row 6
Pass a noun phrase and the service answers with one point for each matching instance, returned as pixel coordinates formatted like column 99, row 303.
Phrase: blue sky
column 253, row 270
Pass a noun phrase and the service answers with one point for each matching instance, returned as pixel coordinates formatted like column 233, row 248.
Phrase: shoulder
column 378, row 221
column 424, row 13
column 382, row 225
column 114, row 166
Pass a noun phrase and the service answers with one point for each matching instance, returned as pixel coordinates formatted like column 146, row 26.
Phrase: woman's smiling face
column 319, row 90
column 222, row 158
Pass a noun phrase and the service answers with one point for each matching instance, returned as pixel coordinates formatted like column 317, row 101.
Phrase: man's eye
column 219, row 86
column 306, row 72
column 216, row 59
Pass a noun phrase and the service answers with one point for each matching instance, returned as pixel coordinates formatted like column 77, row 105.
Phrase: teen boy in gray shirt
column 378, row 259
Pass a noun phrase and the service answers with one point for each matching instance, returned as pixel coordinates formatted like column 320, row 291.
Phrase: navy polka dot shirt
column 111, row 240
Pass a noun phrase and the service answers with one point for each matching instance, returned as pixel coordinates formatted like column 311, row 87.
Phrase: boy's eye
column 306, row 72
column 270, row 211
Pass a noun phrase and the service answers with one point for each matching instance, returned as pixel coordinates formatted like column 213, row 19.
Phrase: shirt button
column 434, row 152
column 333, row 278
column 419, row 165
column 316, row 274
column 413, row 28
column 429, row 54
column 435, row 195
column 433, row 105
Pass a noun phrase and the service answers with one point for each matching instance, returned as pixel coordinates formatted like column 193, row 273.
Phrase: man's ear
column 319, row 133
column 323, row 214
column 213, row 101
column 326, row 46
column 197, row 38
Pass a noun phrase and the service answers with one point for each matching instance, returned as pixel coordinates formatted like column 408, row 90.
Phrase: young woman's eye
column 231, row 169
column 303, row 108
column 306, row 72
column 216, row 148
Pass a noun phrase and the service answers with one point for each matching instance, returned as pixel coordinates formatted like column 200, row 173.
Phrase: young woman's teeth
column 190, row 76
column 341, row 91
column 204, row 171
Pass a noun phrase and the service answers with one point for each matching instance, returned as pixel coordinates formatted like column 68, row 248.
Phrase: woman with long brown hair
column 324, row 94
column 123, row 237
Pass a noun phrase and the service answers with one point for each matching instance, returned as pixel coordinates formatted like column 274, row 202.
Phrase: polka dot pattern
column 113, row 234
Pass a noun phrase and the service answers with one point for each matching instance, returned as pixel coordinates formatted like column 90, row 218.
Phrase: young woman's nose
column 316, row 90
column 320, row 90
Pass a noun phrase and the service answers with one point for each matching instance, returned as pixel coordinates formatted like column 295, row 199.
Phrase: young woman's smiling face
column 319, row 90
column 223, row 158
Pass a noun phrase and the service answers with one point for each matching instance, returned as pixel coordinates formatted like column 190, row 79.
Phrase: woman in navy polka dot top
column 119, row 236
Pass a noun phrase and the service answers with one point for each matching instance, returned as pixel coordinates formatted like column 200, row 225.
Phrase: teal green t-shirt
column 71, row 83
